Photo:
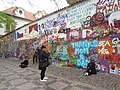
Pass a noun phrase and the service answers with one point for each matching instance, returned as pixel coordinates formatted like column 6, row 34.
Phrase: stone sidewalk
column 12, row 77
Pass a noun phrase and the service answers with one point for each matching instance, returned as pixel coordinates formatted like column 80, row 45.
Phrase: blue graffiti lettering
column 82, row 48
column 85, row 44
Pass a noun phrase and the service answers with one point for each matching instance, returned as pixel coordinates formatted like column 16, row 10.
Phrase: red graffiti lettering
column 107, row 8
column 110, row 7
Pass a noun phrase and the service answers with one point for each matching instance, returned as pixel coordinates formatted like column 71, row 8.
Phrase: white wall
column 20, row 22
column 2, row 31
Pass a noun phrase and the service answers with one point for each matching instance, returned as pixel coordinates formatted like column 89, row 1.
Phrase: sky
column 34, row 5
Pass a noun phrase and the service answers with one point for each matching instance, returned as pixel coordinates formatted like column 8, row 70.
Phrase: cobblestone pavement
column 12, row 77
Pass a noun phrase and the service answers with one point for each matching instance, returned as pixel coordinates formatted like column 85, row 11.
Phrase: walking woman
column 43, row 58
column 36, row 55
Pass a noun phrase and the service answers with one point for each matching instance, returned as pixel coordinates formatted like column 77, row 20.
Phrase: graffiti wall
column 75, row 35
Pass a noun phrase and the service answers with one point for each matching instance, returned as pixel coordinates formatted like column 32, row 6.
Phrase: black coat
column 91, row 69
column 42, row 57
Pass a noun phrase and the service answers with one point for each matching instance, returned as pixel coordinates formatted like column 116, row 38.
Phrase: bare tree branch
column 56, row 4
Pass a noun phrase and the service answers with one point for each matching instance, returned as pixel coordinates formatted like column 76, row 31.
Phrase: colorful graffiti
column 75, row 35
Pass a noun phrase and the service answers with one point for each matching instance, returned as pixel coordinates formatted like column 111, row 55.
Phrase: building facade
column 22, row 16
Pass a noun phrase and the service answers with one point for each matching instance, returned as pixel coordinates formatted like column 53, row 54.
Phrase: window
column 20, row 12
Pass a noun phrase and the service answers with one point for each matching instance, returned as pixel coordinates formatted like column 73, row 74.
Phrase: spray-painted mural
column 74, row 36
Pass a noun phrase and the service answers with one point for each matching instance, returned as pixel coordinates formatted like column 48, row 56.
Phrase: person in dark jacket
column 25, row 63
column 43, row 55
column 91, row 68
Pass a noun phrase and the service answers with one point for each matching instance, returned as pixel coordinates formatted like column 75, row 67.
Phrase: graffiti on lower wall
column 85, row 31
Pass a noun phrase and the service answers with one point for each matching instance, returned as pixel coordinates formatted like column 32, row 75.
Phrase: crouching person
column 25, row 63
column 91, row 68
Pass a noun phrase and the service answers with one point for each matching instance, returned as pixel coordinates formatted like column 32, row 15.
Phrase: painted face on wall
column 97, row 19
column 114, row 20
